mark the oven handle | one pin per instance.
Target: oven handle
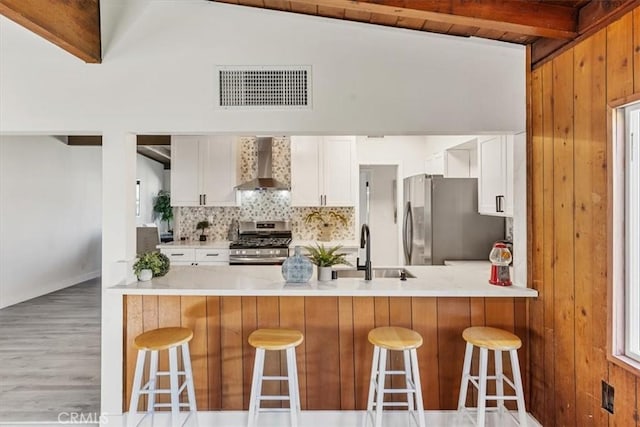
(273, 260)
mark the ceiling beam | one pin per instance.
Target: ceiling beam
(73, 25)
(534, 19)
(592, 17)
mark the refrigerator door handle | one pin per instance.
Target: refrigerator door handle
(407, 235)
(405, 244)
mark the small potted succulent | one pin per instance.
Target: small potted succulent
(203, 225)
(151, 264)
(325, 258)
(327, 221)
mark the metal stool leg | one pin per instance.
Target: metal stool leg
(256, 387)
(497, 355)
(517, 380)
(382, 374)
(291, 380)
(482, 383)
(408, 378)
(186, 362)
(153, 381)
(466, 374)
(174, 386)
(372, 384)
(418, 386)
(137, 383)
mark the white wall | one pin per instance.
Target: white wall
(50, 216)
(408, 152)
(159, 76)
(151, 176)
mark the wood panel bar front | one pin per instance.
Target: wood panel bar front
(334, 361)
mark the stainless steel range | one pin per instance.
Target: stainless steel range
(260, 243)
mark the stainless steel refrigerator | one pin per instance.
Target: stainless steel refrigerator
(441, 221)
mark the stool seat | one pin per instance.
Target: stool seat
(275, 339)
(162, 338)
(491, 338)
(395, 338)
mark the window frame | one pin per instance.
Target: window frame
(632, 229)
(618, 306)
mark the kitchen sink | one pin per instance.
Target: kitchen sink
(379, 273)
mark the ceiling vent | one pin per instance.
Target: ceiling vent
(263, 87)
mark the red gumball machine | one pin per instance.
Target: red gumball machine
(500, 258)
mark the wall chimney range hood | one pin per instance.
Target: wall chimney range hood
(265, 180)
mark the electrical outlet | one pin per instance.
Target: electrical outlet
(607, 397)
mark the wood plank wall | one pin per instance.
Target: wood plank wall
(334, 361)
(568, 217)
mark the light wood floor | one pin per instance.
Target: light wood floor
(50, 355)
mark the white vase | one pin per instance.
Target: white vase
(324, 274)
(145, 275)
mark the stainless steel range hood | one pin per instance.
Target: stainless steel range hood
(265, 180)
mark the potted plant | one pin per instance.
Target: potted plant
(325, 258)
(151, 264)
(203, 225)
(327, 220)
(162, 208)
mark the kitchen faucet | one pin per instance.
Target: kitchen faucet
(365, 240)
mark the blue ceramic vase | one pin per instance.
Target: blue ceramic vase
(297, 268)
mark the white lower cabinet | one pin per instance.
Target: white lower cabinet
(192, 256)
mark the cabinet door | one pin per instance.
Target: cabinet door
(508, 176)
(305, 171)
(185, 189)
(490, 174)
(218, 173)
(338, 168)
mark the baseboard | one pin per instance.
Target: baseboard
(30, 293)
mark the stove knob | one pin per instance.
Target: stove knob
(244, 252)
(258, 252)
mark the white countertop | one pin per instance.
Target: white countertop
(195, 244)
(467, 280)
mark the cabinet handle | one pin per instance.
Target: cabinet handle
(204, 197)
(500, 203)
(321, 200)
(177, 254)
(200, 202)
(213, 254)
(497, 204)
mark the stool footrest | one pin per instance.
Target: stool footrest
(273, 397)
(166, 373)
(275, 378)
(273, 409)
(168, 405)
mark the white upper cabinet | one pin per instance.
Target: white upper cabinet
(495, 175)
(323, 171)
(203, 171)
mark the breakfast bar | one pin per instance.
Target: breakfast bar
(224, 304)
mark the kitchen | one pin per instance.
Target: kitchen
(247, 203)
(242, 297)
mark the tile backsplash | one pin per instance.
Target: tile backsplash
(261, 205)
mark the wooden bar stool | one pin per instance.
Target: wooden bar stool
(395, 339)
(275, 339)
(154, 341)
(497, 340)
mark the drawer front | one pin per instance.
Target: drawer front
(212, 255)
(179, 255)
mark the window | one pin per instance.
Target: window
(632, 231)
